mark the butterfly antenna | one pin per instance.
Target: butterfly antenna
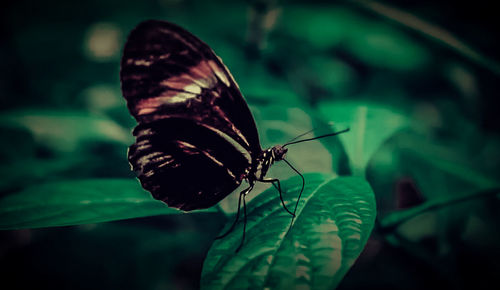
(314, 138)
(305, 133)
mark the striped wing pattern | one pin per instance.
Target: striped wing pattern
(196, 137)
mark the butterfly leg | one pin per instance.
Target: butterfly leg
(244, 221)
(303, 184)
(272, 181)
(241, 197)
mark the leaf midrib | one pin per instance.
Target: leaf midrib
(281, 242)
(297, 215)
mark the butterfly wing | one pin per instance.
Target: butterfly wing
(185, 165)
(196, 137)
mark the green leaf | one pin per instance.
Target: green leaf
(78, 202)
(334, 220)
(65, 131)
(371, 125)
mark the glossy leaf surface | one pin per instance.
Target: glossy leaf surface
(334, 219)
(78, 202)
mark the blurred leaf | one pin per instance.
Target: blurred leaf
(465, 176)
(442, 173)
(372, 42)
(99, 160)
(444, 176)
(383, 46)
(260, 86)
(79, 202)
(323, 28)
(371, 125)
(333, 74)
(399, 217)
(334, 219)
(277, 124)
(26, 172)
(440, 170)
(446, 155)
(432, 31)
(63, 131)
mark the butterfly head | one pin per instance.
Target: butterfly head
(279, 152)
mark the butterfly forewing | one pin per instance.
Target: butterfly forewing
(196, 137)
(168, 72)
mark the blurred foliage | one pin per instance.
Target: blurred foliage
(334, 219)
(416, 82)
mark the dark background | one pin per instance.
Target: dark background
(60, 62)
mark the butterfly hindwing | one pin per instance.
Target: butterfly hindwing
(185, 165)
(196, 137)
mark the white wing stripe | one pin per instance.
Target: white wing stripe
(231, 141)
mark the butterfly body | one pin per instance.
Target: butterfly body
(264, 162)
(196, 140)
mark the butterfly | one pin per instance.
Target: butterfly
(196, 139)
